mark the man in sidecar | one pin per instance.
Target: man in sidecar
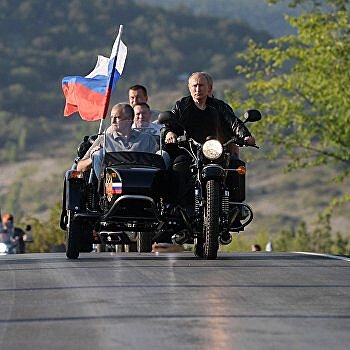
(123, 138)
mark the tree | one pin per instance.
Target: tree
(301, 83)
(46, 234)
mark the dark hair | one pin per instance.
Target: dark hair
(143, 104)
(139, 87)
(127, 109)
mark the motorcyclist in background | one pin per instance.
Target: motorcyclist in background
(16, 233)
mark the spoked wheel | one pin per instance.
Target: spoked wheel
(211, 221)
(73, 233)
(144, 242)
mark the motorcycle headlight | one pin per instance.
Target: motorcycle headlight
(212, 149)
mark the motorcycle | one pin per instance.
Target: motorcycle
(131, 201)
(11, 242)
(218, 190)
(8, 245)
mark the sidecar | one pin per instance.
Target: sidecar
(125, 205)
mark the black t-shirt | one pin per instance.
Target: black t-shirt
(201, 124)
(220, 123)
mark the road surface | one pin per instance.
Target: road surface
(173, 301)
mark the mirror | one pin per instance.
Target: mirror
(164, 117)
(252, 115)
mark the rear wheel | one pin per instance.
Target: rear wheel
(144, 242)
(211, 220)
(73, 233)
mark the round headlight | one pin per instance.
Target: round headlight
(212, 149)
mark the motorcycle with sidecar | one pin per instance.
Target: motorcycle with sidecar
(131, 200)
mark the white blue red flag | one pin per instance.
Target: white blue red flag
(89, 95)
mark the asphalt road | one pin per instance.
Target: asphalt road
(173, 301)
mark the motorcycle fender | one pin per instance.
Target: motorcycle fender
(74, 192)
(214, 172)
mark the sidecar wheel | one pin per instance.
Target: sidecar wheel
(72, 238)
(211, 222)
(144, 242)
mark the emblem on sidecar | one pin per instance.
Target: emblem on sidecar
(113, 185)
(109, 187)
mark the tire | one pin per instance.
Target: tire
(144, 242)
(211, 221)
(72, 237)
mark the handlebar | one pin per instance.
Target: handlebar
(240, 143)
(237, 141)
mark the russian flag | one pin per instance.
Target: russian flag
(89, 95)
(117, 187)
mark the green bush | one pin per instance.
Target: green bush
(46, 234)
(319, 239)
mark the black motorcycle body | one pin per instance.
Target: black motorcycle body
(132, 201)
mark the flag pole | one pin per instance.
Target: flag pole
(110, 82)
(108, 95)
(111, 78)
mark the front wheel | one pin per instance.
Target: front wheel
(211, 220)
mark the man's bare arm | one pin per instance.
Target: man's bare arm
(84, 164)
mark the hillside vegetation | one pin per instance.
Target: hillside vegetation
(43, 41)
(256, 13)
